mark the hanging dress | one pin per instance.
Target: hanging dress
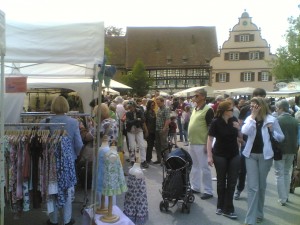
(136, 203)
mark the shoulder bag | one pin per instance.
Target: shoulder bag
(275, 146)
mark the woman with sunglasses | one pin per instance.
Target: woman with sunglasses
(258, 155)
(224, 154)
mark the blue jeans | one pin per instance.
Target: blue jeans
(242, 173)
(257, 171)
(179, 125)
(283, 176)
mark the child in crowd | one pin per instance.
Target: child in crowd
(172, 130)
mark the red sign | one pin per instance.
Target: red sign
(15, 84)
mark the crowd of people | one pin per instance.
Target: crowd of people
(227, 133)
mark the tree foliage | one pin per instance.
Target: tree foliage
(287, 65)
(138, 79)
(113, 31)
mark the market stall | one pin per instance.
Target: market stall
(29, 45)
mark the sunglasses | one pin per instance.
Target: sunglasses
(230, 110)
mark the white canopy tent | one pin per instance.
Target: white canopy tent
(54, 50)
(236, 91)
(190, 91)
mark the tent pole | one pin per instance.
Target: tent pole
(2, 158)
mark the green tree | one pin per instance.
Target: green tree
(138, 79)
(287, 64)
(113, 31)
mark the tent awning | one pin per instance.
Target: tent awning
(82, 86)
(54, 43)
(236, 91)
(286, 94)
(190, 91)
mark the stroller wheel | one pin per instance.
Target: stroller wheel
(185, 207)
(191, 198)
(164, 205)
(161, 206)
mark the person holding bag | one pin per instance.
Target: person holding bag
(289, 147)
(258, 155)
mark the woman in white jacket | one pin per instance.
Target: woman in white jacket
(259, 155)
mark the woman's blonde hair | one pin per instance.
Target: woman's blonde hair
(60, 105)
(104, 111)
(264, 107)
(222, 107)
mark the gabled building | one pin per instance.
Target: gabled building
(176, 57)
(244, 59)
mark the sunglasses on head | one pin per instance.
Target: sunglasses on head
(230, 110)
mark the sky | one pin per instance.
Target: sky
(270, 15)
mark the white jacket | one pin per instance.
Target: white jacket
(249, 129)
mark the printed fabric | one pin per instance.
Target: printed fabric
(65, 170)
(113, 177)
(136, 203)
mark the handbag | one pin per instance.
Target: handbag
(275, 146)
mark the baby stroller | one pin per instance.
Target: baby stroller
(176, 184)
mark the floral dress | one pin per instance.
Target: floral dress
(113, 176)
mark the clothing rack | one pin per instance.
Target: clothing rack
(51, 114)
(33, 124)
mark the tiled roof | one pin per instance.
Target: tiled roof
(165, 47)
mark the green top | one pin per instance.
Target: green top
(198, 129)
(289, 127)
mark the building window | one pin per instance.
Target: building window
(158, 73)
(253, 55)
(247, 76)
(178, 73)
(184, 82)
(244, 38)
(233, 56)
(222, 77)
(264, 76)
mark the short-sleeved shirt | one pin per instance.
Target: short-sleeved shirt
(226, 137)
(163, 114)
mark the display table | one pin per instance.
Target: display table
(88, 214)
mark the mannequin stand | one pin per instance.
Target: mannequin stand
(102, 210)
(109, 217)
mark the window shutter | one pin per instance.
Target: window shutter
(244, 55)
(270, 77)
(217, 77)
(251, 37)
(261, 55)
(242, 76)
(226, 56)
(227, 77)
(252, 76)
(259, 76)
(237, 38)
